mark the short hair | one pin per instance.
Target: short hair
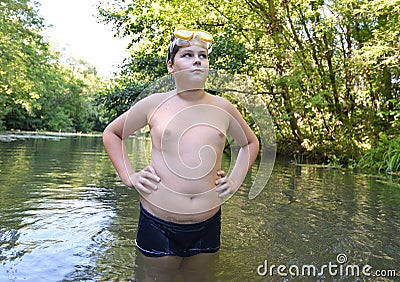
(172, 53)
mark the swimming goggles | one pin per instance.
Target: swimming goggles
(181, 37)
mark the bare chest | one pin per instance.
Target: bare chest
(189, 128)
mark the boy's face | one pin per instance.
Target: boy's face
(190, 63)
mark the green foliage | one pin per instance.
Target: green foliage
(328, 70)
(383, 156)
(150, 24)
(36, 90)
(116, 98)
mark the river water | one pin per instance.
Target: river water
(64, 216)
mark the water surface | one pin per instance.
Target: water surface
(64, 216)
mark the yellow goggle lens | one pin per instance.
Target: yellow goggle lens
(187, 34)
(184, 34)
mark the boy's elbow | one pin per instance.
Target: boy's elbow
(253, 145)
(106, 130)
(256, 146)
(107, 134)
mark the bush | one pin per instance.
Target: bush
(384, 156)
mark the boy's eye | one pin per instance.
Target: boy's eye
(189, 55)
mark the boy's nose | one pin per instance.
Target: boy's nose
(197, 60)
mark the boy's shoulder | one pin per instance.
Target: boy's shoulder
(154, 99)
(221, 102)
(158, 96)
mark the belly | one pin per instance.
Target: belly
(186, 193)
(170, 205)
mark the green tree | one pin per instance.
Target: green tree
(37, 89)
(328, 70)
(22, 54)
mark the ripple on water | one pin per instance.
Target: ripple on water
(65, 216)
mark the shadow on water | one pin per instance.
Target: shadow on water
(65, 217)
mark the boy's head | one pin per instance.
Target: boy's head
(187, 37)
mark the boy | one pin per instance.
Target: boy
(182, 189)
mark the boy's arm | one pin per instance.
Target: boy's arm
(123, 126)
(249, 147)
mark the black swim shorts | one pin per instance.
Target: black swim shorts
(156, 237)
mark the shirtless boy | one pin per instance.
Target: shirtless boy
(182, 189)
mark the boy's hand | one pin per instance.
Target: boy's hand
(224, 185)
(145, 180)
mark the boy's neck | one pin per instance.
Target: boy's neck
(191, 95)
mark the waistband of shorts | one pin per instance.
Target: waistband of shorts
(147, 214)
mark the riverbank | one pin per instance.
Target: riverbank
(10, 136)
(367, 163)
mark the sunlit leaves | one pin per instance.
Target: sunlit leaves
(328, 69)
(36, 90)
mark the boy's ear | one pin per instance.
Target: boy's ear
(170, 67)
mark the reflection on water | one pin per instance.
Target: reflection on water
(65, 217)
